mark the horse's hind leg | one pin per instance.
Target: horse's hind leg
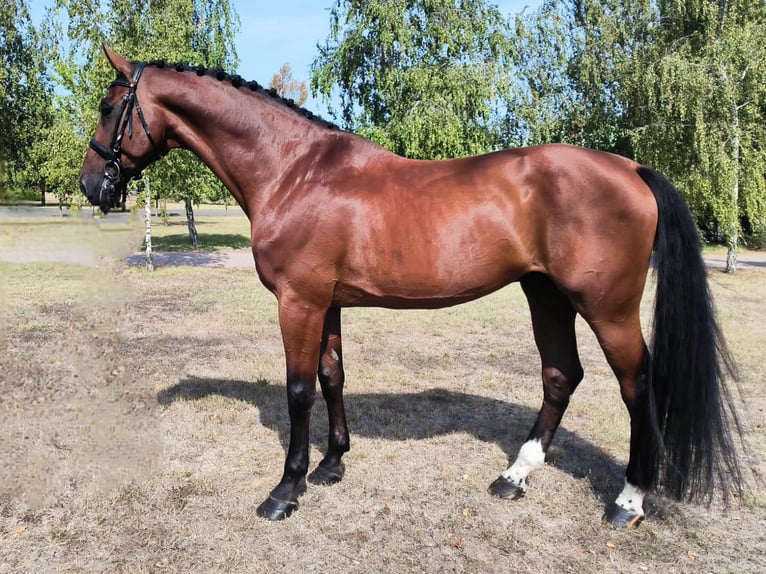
(626, 352)
(330, 470)
(553, 319)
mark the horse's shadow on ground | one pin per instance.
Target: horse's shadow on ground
(417, 416)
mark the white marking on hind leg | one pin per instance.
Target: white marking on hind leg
(631, 499)
(531, 457)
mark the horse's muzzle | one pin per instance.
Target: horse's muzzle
(101, 191)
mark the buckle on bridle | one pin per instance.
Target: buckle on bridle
(115, 166)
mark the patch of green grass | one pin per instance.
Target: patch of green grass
(216, 233)
(207, 242)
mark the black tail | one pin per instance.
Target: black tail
(690, 405)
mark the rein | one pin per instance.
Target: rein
(113, 167)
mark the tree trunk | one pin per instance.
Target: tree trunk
(165, 215)
(148, 214)
(190, 222)
(731, 251)
(732, 234)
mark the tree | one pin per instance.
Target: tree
(574, 59)
(400, 68)
(541, 46)
(58, 153)
(609, 35)
(288, 87)
(705, 108)
(25, 93)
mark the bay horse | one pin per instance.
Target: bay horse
(338, 221)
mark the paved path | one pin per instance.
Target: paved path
(748, 260)
(242, 258)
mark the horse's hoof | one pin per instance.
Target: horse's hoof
(504, 488)
(273, 509)
(325, 475)
(618, 518)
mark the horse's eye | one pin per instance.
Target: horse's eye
(106, 108)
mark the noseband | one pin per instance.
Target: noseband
(112, 154)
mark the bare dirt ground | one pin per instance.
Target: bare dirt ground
(143, 418)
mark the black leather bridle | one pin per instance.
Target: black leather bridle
(113, 154)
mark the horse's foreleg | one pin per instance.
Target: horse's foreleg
(330, 470)
(301, 326)
(553, 322)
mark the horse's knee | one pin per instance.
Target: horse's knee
(330, 375)
(300, 394)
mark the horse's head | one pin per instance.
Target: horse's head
(114, 159)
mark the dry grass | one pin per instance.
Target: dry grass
(144, 418)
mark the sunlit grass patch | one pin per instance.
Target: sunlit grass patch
(216, 233)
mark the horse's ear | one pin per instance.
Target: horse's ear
(118, 62)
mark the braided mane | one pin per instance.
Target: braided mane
(238, 82)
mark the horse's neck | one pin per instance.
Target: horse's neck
(247, 139)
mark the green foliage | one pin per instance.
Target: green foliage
(25, 93)
(181, 175)
(58, 153)
(608, 37)
(704, 105)
(400, 68)
(3, 178)
(574, 59)
(540, 48)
